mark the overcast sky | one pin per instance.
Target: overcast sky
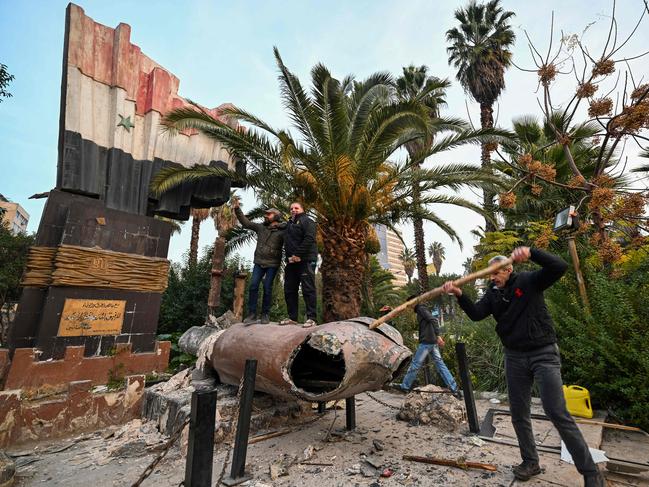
(222, 52)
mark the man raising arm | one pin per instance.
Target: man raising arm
(526, 330)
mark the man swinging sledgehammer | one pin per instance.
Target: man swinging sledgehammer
(531, 354)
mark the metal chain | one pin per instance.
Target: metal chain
(172, 439)
(383, 403)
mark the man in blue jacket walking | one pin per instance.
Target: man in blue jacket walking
(526, 330)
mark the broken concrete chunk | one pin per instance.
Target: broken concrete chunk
(280, 467)
(354, 469)
(308, 453)
(378, 445)
(432, 407)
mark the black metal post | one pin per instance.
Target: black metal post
(322, 407)
(200, 450)
(467, 388)
(237, 472)
(350, 413)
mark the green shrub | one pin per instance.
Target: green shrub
(607, 351)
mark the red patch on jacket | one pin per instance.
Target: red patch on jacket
(518, 292)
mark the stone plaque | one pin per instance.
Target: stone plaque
(86, 317)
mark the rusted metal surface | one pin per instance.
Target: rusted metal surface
(328, 362)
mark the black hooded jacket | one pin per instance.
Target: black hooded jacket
(523, 321)
(428, 325)
(299, 239)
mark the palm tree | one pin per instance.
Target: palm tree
(198, 216)
(407, 258)
(467, 265)
(415, 84)
(338, 167)
(480, 51)
(224, 221)
(437, 253)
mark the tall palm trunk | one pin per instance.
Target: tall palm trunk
(343, 268)
(487, 121)
(418, 225)
(420, 249)
(193, 242)
(216, 275)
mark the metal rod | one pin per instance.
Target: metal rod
(350, 413)
(322, 407)
(237, 472)
(200, 450)
(572, 248)
(467, 388)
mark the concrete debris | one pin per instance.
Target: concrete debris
(442, 410)
(182, 380)
(354, 469)
(135, 439)
(474, 440)
(378, 445)
(281, 466)
(7, 469)
(308, 453)
(369, 471)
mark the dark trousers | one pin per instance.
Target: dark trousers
(295, 274)
(543, 366)
(268, 276)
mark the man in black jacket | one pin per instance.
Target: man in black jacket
(531, 354)
(268, 257)
(301, 257)
(429, 342)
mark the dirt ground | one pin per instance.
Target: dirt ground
(118, 457)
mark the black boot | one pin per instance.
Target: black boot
(526, 470)
(250, 319)
(594, 480)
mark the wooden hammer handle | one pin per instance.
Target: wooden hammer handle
(438, 290)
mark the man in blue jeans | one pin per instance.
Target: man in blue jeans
(429, 343)
(268, 257)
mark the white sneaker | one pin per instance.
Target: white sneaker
(309, 323)
(288, 321)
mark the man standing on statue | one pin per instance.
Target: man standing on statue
(531, 354)
(268, 257)
(301, 257)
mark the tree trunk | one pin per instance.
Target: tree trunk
(418, 225)
(343, 268)
(487, 121)
(216, 277)
(438, 265)
(239, 294)
(193, 242)
(420, 253)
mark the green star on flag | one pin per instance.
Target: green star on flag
(125, 122)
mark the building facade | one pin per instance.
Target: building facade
(389, 256)
(14, 216)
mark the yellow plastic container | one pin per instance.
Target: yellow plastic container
(578, 401)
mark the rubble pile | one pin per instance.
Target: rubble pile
(429, 405)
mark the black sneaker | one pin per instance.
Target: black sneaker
(458, 394)
(526, 471)
(265, 319)
(250, 319)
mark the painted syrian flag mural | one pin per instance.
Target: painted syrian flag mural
(110, 144)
